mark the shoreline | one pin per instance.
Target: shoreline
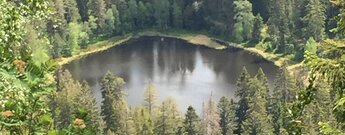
(193, 38)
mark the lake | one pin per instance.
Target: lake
(188, 73)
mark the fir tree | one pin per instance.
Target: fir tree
(283, 94)
(242, 93)
(257, 120)
(114, 109)
(169, 119)
(226, 109)
(191, 122)
(314, 20)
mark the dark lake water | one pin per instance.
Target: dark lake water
(188, 73)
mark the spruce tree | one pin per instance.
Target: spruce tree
(191, 122)
(314, 20)
(242, 93)
(264, 83)
(257, 119)
(87, 102)
(114, 108)
(226, 108)
(283, 94)
(169, 119)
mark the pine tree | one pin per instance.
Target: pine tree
(114, 109)
(169, 119)
(281, 23)
(191, 122)
(314, 20)
(283, 94)
(150, 99)
(257, 119)
(210, 120)
(242, 93)
(86, 101)
(264, 83)
(226, 108)
(68, 89)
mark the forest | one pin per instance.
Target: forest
(38, 97)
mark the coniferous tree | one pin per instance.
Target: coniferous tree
(71, 11)
(96, 8)
(264, 83)
(85, 100)
(114, 109)
(242, 93)
(161, 13)
(143, 122)
(257, 120)
(283, 94)
(177, 15)
(150, 98)
(210, 118)
(191, 122)
(314, 20)
(169, 119)
(226, 109)
(257, 27)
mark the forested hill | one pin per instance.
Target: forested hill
(280, 26)
(35, 32)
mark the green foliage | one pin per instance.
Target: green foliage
(244, 20)
(333, 72)
(191, 124)
(226, 109)
(114, 108)
(242, 92)
(311, 46)
(257, 29)
(109, 22)
(168, 119)
(161, 13)
(150, 98)
(314, 20)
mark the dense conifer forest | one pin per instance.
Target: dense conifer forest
(37, 97)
